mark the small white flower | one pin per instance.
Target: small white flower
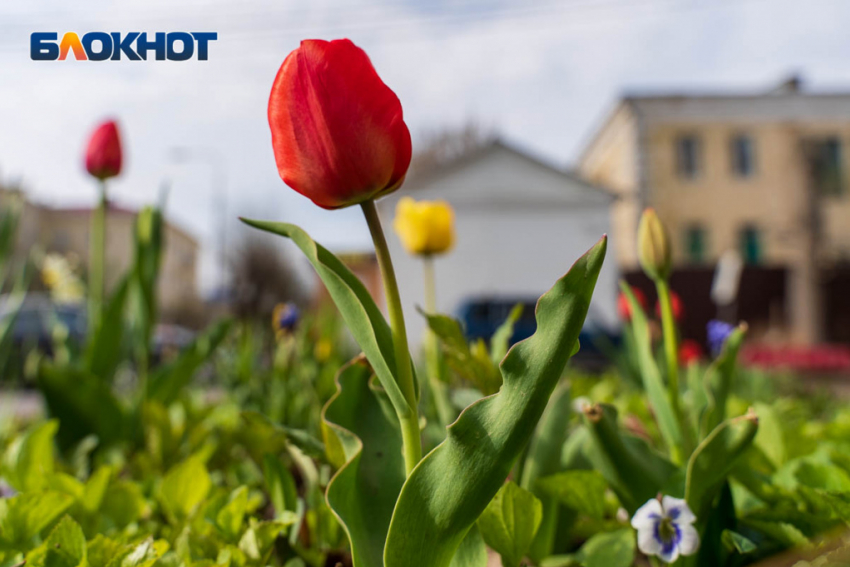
(580, 403)
(665, 528)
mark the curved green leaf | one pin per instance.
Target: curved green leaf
(544, 459)
(452, 485)
(357, 307)
(66, 545)
(714, 459)
(651, 376)
(364, 490)
(632, 469)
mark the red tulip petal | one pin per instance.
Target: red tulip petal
(103, 153)
(337, 130)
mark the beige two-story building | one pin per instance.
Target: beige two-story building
(760, 173)
(66, 231)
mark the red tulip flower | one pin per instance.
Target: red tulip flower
(676, 306)
(689, 352)
(623, 307)
(338, 131)
(103, 153)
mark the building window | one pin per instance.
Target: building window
(827, 167)
(688, 156)
(743, 156)
(751, 245)
(695, 244)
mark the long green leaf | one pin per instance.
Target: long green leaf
(12, 305)
(452, 485)
(10, 217)
(150, 242)
(280, 485)
(357, 307)
(103, 353)
(84, 405)
(715, 458)
(500, 341)
(631, 468)
(364, 490)
(544, 459)
(718, 381)
(651, 375)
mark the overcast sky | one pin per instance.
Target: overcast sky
(542, 73)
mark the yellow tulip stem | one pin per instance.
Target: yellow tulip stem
(436, 383)
(409, 420)
(430, 283)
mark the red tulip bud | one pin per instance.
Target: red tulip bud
(103, 154)
(338, 132)
(676, 306)
(623, 307)
(689, 352)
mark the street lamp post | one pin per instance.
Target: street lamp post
(215, 160)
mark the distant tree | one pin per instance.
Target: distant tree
(437, 148)
(262, 277)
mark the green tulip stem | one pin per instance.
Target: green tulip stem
(409, 419)
(671, 351)
(436, 383)
(97, 258)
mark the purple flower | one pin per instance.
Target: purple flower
(285, 317)
(665, 528)
(718, 332)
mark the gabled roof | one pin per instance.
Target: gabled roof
(440, 174)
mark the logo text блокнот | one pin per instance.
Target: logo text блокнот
(115, 46)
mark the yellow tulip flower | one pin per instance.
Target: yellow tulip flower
(424, 227)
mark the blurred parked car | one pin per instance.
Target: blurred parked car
(38, 318)
(481, 317)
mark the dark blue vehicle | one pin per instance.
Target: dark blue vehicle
(482, 316)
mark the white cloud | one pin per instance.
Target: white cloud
(543, 72)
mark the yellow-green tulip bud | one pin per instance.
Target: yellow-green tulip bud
(654, 246)
(424, 227)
